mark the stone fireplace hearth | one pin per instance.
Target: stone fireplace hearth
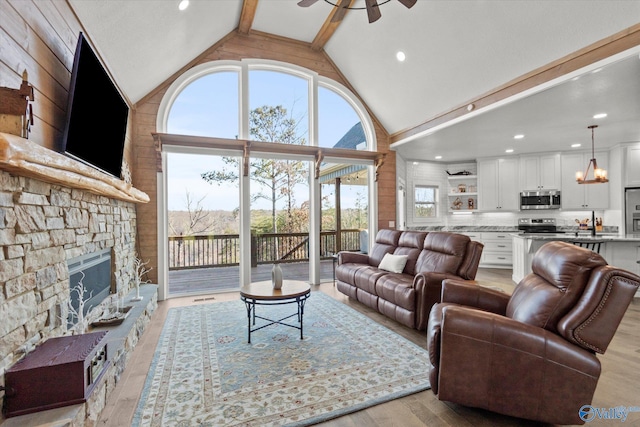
(53, 210)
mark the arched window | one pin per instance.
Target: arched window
(217, 98)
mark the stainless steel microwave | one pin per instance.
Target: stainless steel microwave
(543, 199)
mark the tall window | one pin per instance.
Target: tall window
(425, 201)
(270, 101)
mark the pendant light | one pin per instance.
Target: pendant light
(599, 175)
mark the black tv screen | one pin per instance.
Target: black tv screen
(97, 114)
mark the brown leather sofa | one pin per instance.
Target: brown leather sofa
(532, 354)
(407, 296)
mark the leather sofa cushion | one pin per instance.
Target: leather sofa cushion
(412, 255)
(412, 239)
(397, 289)
(443, 252)
(410, 244)
(386, 242)
(365, 278)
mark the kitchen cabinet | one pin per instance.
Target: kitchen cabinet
(497, 250)
(540, 172)
(583, 196)
(498, 185)
(463, 193)
(624, 255)
(632, 171)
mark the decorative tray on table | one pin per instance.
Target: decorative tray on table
(112, 319)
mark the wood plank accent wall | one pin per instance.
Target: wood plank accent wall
(236, 46)
(40, 37)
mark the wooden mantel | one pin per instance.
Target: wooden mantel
(22, 157)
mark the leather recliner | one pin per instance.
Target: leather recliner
(530, 355)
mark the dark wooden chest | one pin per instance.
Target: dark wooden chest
(59, 372)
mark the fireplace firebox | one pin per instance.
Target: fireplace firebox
(97, 271)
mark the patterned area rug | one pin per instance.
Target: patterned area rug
(204, 373)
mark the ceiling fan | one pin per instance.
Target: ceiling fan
(372, 6)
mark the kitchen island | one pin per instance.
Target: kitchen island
(622, 251)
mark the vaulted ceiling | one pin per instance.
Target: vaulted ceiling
(457, 53)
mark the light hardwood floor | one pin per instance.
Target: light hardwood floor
(619, 384)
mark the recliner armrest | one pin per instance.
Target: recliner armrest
(472, 295)
(352, 257)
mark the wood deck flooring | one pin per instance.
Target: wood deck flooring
(227, 279)
(619, 384)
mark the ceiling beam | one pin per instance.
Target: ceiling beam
(246, 16)
(327, 29)
(586, 56)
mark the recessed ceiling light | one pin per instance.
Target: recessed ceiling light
(600, 116)
(400, 56)
(183, 4)
(576, 145)
(470, 107)
(519, 136)
(509, 150)
(438, 157)
(415, 163)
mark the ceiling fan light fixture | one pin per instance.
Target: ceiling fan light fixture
(371, 6)
(599, 174)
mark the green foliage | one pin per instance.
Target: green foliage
(277, 178)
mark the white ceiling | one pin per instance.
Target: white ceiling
(456, 51)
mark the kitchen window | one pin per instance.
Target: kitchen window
(425, 201)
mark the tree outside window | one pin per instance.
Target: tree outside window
(425, 201)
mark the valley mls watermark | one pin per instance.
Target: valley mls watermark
(589, 413)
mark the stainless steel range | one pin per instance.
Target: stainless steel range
(538, 225)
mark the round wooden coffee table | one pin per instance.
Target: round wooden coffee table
(262, 293)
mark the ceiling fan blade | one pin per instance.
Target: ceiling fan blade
(306, 3)
(373, 11)
(408, 3)
(341, 10)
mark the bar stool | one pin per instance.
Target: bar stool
(593, 245)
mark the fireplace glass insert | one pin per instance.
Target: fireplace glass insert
(96, 267)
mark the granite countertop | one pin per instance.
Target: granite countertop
(571, 237)
(468, 228)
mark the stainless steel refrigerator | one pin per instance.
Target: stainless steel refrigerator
(632, 206)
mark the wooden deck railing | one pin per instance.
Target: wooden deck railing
(224, 250)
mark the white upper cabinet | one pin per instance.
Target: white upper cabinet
(540, 172)
(498, 185)
(583, 196)
(632, 167)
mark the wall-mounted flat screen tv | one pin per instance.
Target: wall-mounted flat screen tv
(97, 114)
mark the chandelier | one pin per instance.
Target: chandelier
(372, 7)
(599, 175)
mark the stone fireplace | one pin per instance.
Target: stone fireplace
(55, 214)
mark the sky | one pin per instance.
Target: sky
(209, 107)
